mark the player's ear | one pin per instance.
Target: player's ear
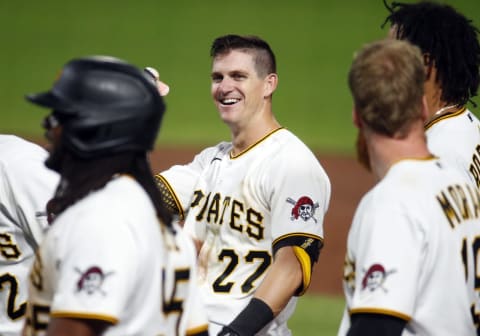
(425, 112)
(429, 67)
(270, 84)
(356, 118)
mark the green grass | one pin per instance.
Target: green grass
(314, 41)
(317, 316)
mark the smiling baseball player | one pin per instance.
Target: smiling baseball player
(256, 205)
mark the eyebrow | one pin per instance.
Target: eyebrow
(230, 73)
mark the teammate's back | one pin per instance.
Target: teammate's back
(428, 231)
(121, 208)
(455, 137)
(26, 186)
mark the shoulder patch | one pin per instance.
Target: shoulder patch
(91, 280)
(303, 208)
(375, 278)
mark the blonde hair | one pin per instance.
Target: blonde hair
(386, 81)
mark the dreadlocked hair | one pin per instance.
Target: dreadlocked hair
(449, 42)
(82, 176)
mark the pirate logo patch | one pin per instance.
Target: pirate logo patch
(303, 208)
(375, 278)
(91, 280)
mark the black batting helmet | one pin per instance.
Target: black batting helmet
(105, 106)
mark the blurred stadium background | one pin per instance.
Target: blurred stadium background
(314, 41)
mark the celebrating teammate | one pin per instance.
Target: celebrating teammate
(26, 187)
(256, 204)
(451, 54)
(410, 265)
(112, 262)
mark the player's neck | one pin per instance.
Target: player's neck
(248, 135)
(385, 151)
(436, 106)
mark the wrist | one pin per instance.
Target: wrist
(252, 318)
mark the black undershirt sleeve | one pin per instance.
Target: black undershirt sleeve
(375, 324)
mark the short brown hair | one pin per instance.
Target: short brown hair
(263, 55)
(386, 81)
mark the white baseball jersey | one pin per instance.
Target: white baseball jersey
(455, 137)
(26, 185)
(108, 257)
(243, 209)
(412, 250)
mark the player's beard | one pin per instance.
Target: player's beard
(56, 158)
(362, 151)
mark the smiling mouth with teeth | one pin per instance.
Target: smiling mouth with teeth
(229, 101)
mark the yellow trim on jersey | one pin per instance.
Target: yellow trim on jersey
(256, 143)
(174, 195)
(302, 234)
(393, 313)
(197, 330)
(67, 314)
(304, 260)
(443, 117)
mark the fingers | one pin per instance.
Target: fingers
(163, 88)
(152, 72)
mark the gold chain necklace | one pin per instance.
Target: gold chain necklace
(443, 109)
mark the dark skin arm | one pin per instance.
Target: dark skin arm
(76, 327)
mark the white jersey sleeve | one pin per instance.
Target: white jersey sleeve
(195, 320)
(98, 261)
(298, 195)
(26, 186)
(181, 179)
(389, 236)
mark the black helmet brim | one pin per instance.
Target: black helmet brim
(48, 100)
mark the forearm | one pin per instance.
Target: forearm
(281, 282)
(283, 279)
(76, 327)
